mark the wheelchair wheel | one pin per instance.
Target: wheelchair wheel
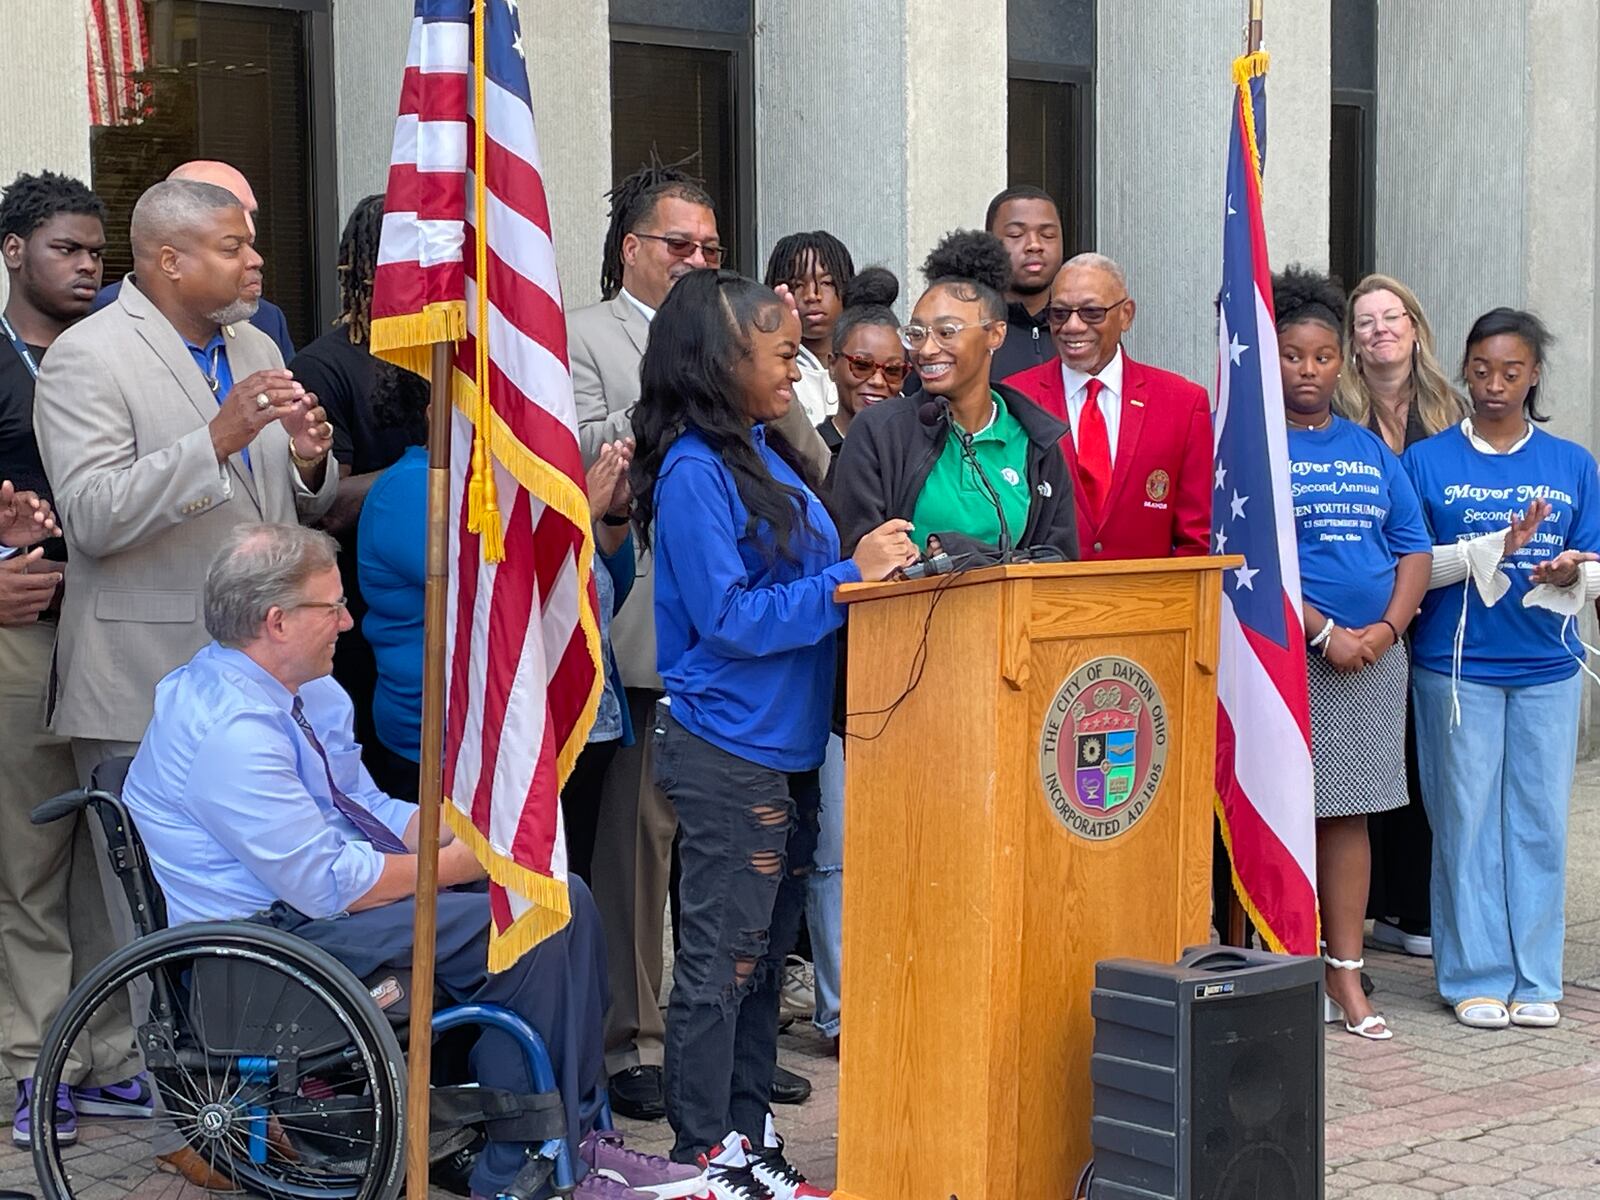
(267, 1059)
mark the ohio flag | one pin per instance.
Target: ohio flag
(1264, 788)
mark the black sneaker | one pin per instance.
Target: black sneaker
(636, 1093)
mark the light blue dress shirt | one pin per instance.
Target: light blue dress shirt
(233, 802)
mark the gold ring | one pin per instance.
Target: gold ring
(328, 429)
(261, 403)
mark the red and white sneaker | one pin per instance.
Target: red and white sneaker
(729, 1172)
(776, 1173)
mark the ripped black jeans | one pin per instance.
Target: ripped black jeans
(748, 836)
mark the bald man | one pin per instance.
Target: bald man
(165, 420)
(268, 317)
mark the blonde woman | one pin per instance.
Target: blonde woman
(1392, 384)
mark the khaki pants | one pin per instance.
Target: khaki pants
(55, 923)
(632, 871)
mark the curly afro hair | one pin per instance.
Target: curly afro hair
(1300, 294)
(31, 200)
(975, 266)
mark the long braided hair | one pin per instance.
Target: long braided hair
(633, 202)
(358, 263)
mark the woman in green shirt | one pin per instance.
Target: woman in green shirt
(957, 455)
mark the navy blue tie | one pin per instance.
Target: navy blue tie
(375, 830)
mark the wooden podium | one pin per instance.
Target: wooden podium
(1041, 799)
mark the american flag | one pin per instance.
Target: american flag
(119, 48)
(466, 255)
(1263, 729)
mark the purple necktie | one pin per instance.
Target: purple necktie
(375, 830)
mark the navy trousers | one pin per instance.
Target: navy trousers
(559, 988)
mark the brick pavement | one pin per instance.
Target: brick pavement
(1441, 1110)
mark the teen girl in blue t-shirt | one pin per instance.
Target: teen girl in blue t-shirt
(1363, 566)
(1514, 513)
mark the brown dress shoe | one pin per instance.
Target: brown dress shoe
(196, 1170)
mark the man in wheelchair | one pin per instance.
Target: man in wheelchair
(250, 795)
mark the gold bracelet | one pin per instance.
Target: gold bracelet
(304, 463)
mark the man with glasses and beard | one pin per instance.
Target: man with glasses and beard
(164, 421)
(1140, 445)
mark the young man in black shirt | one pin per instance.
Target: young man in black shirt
(1028, 222)
(54, 926)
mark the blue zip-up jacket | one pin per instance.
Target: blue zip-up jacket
(745, 638)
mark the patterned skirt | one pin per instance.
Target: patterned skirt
(1358, 734)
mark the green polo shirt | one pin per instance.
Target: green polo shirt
(954, 501)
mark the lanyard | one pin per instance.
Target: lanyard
(20, 347)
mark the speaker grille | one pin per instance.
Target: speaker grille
(1254, 1071)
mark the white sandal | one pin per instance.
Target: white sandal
(1483, 1012)
(1373, 1027)
(1536, 1014)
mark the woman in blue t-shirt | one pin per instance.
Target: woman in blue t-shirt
(1363, 567)
(747, 560)
(1494, 659)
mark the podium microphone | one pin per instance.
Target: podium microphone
(937, 412)
(939, 564)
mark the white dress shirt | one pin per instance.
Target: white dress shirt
(1076, 384)
(645, 311)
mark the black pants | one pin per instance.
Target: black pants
(559, 987)
(1402, 853)
(748, 837)
(580, 805)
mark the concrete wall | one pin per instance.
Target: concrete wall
(569, 70)
(1163, 87)
(885, 124)
(1451, 211)
(42, 54)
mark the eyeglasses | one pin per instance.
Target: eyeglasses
(1092, 314)
(342, 604)
(863, 367)
(682, 247)
(944, 332)
(1389, 320)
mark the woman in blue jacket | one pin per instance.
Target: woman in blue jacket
(747, 560)
(1493, 658)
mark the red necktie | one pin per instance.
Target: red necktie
(1094, 450)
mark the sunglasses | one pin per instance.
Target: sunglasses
(863, 367)
(682, 247)
(1092, 314)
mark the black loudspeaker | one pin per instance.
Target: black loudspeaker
(1208, 1078)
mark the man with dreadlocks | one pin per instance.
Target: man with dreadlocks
(54, 926)
(376, 410)
(663, 225)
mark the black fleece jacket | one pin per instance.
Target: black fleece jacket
(889, 454)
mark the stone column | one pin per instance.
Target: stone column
(569, 71)
(46, 57)
(1163, 87)
(885, 126)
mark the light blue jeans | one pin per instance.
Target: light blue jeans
(1497, 789)
(825, 892)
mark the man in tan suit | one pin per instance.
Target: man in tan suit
(164, 420)
(663, 226)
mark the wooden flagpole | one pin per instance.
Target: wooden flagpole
(1237, 932)
(420, 1051)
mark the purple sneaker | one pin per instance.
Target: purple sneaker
(66, 1116)
(644, 1173)
(130, 1098)
(597, 1187)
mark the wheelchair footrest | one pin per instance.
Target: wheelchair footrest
(505, 1116)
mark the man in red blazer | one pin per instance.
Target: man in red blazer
(1140, 446)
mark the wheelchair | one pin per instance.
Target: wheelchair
(269, 1060)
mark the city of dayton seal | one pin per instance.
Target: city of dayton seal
(1103, 750)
